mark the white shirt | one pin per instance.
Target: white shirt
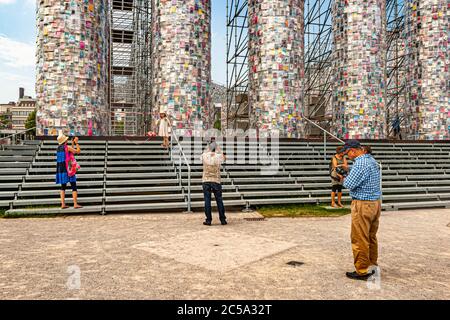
(211, 166)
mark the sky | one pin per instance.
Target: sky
(18, 41)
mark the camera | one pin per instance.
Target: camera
(341, 171)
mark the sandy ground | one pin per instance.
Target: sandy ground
(173, 256)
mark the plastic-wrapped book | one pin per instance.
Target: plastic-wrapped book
(276, 65)
(182, 63)
(71, 67)
(359, 60)
(427, 60)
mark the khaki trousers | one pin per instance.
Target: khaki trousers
(365, 221)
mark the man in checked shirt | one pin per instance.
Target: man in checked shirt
(363, 181)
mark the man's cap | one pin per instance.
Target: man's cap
(350, 144)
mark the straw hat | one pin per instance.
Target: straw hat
(62, 138)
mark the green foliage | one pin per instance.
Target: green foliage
(120, 127)
(5, 121)
(31, 123)
(218, 125)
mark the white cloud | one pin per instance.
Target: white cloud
(7, 1)
(17, 68)
(16, 54)
(10, 83)
(30, 3)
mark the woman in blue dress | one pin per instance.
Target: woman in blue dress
(62, 176)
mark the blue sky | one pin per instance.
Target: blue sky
(18, 37)
(17, 43)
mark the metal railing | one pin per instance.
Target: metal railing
(15, 135)
(325, 132)
(180, 156)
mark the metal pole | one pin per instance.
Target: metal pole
(179, 165)
(171, 145)
(319, 127)
(381, 183)
(325, 146)
(189, 188)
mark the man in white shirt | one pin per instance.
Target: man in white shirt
(212, 160)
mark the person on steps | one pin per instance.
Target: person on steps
(62, 170)
(165, 127)
(338, 161)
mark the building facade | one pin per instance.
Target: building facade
(20, 112)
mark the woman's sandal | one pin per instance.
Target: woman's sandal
(64, 207)
(78, 207)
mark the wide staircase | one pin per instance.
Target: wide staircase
(140, 176)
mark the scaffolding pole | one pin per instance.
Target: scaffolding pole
(130, 56)
(318, 63)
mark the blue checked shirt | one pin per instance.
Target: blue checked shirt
(363, 181)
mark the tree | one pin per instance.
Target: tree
(218, 125)
(5, 122)
(31, 123)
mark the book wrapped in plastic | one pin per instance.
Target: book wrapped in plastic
(427, 61)
(71, 67)
(359, 60)
(276, 65)
(182, 63)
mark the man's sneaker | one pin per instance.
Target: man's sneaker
(224, 222)
(207, 223)
(355, 276)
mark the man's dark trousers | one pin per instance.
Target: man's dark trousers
(216, 188)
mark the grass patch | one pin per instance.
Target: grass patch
(16, 215)
(299, 210)
(20, 215)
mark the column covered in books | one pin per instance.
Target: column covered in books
(71, 67)
(359, 61)
(182, 63)
(427, 62)
(276, 65)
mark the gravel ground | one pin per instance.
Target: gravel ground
(173, 256)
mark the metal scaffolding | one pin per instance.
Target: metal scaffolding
(236, 111)
(318, 63)
(130, 71)
(395, 63)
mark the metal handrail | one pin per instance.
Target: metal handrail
(324, 131)
(17, 133)
(181, 155)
